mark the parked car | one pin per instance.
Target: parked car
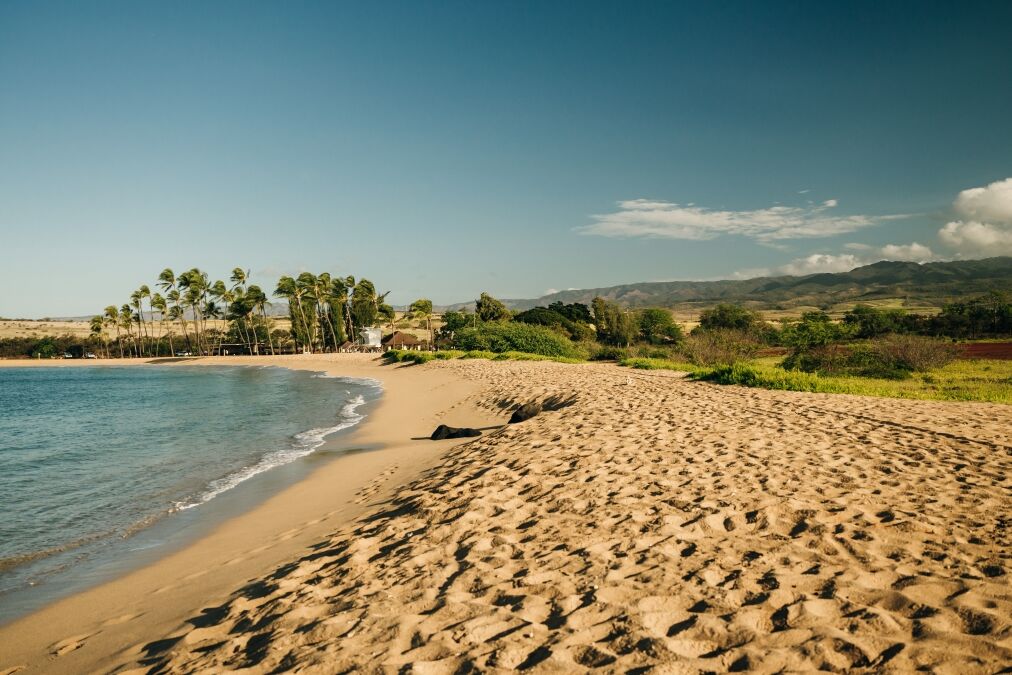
(89, 355)
(68, 355)
(184, 354)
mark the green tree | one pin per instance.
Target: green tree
(421, 309)
(364, 304)
(488, 308)
(614, 326)
(112, 319)
(657, 326)
(730, 316)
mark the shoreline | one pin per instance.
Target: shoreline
(90, 629)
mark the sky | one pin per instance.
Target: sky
(445, 149)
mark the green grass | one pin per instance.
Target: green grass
(657, 364)
(404, 356)
(964, 380)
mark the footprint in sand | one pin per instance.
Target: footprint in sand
(70, 644)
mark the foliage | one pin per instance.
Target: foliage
(614, 325)
(520, 337)
(576, 311)
(608, 353)
(657, 326)
(989, 314)
(720, 347)
(766, 378)
(540, 316)
(403, 356)
(814, 329)
(454, 321)
(489, 309)
(868, 322)
(729, 317)
(965, 380)
(657, 364)
(916, 353)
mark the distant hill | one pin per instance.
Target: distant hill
(927, 284)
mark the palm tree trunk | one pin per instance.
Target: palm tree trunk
(267, 327)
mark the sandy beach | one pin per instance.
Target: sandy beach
(651, 522)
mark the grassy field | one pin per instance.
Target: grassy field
(963, 380)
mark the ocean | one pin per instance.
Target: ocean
(102, 468)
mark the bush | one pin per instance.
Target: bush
(657, 364)
(658, 327)
(516, 337)
(720, 347)
(405, 356)
(915, 353)
(539, 316)
(606, 353)
(750, 376)
(829, 359)
(729, 317)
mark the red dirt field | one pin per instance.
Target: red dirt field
(987, 350)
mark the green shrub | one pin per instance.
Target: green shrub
(915, 353)
(657, 364)
(478, 354)
(720, 347)
(516, 337)
(608, 353)
(767, 378)
(405, 356)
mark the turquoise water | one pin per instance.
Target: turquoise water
(100, 463)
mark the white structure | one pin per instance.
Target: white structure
(371, 337)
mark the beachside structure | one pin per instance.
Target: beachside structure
(371, 338)
(401, 340)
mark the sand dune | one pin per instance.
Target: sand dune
(653, 522)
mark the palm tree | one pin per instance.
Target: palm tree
(341, 292)
(258, 300)
(422, 309)
(238, 307)
(112, 319)
(196, 286)
(167, 282)
(321, 291)
(136, 300)
(126, 321)
(287, 288)
(158, 302)
(98, 331)
(306, 283)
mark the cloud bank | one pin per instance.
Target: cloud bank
(985, 224)
(668, 220)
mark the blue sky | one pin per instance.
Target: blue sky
(443, 149)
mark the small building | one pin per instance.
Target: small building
(371, 339)
(401, 340)
(347, 346)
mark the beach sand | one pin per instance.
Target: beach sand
(653, 521)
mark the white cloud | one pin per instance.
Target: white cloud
(971, 238)
(821, 262)
(989, 204)
(985, 228)
(844, 262)
(660, 219)
(913, 252)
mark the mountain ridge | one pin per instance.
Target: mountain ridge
(930, 283)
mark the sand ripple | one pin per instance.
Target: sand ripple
(656, 524)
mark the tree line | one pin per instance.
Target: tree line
(183, 316)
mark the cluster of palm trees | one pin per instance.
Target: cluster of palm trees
(324, 311)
